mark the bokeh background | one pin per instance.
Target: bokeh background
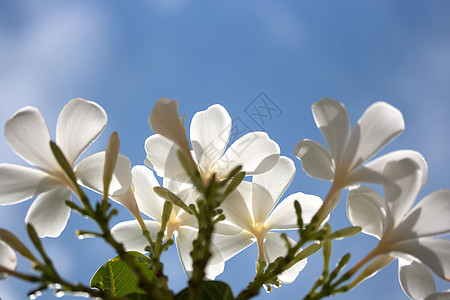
(125, 55)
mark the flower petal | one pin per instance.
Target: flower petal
(332, 119)
(277, 179)
(316, 160)
(402, 180)
(27, 134)
(415, 279)
(284, 215)
(428, 218)
(129, 202)
(79, 124)
(163, 158)
(210, 133)
(445, 295)
(143, 182)
(367, 209)
(18, 183)
(129, 233)
(49, 213)
(372, 172)
(90, 173)
(275, 246)
(184, 241)
(262, 203)
(8, 259)
(230, 245)
(255, 152)
(236, 210)
(378, 126)
(165, 120)
(435, 253)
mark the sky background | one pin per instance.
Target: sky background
(125, 55)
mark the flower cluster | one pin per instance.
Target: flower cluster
(216, 199)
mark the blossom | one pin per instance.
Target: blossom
(8, 259)
(79, 124)
(348, 150)
(210, 133)
(253, 207)
(180, 224)
(404, 233)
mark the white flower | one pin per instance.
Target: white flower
(348, 150)
(253, 207)
(405, 233)
(210, 132)
(8, 259)
(181, 224)
(79, 124)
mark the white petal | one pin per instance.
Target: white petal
(129, 202)
(255, 152)
(163, 158)
(236, 210)
(49, 213)
(275, 246)
(79, 124)
(210, 132)
(184, 240)
(18, 183)
(428, 218)
(401, 185)
(380, 262)
(27, 134)
(262, 203)
(332, 119)
(149, 203)
(372, 172)
(277, 179)
(415, 279)
(129, 233)
(284, 216)
(316, 160)
(439, 296)
(434, 253)
(230, 245)
(378, 126)
(8, 259)
(165, 120)
(176, 186)
(367, 209)
(90, 172)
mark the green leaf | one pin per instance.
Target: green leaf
(210, 290)
(343, 233)
(118, 279)
(171, 197)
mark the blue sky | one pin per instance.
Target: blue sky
(127, 55)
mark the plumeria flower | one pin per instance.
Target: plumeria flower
(8, 259)
(417, 282)
(209, 132)
(79, 124)
(405, 233)
(348, 150)
(253, 207)
(181, 224)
